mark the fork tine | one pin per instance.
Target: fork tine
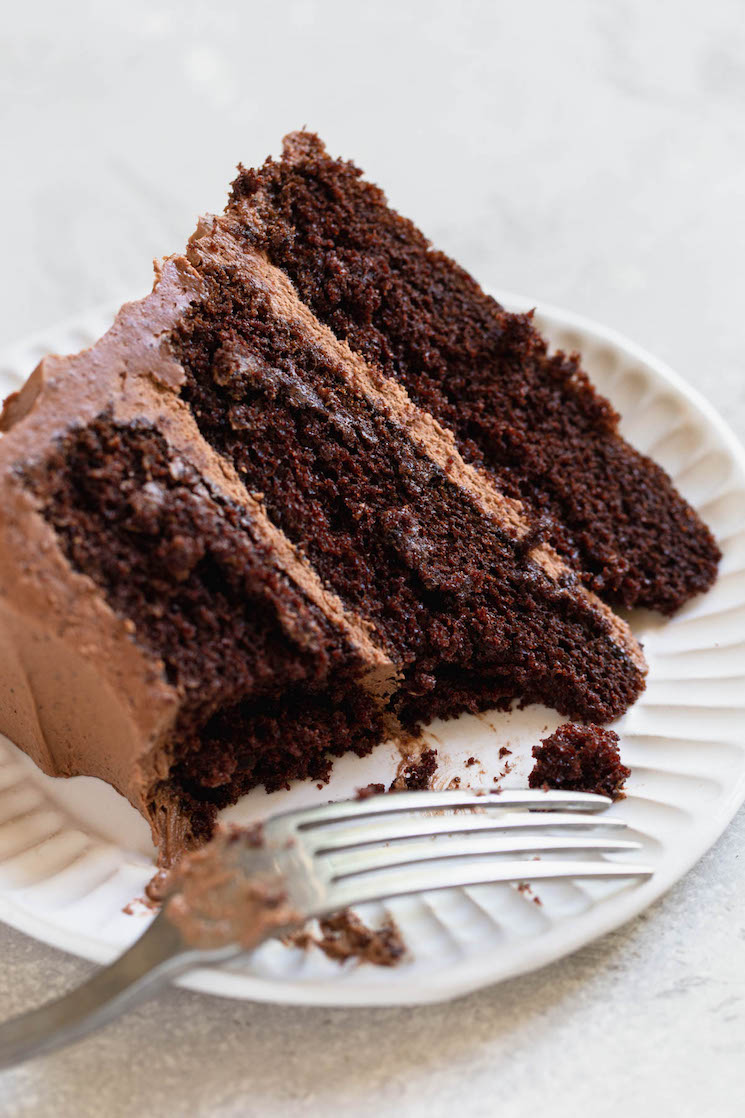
(400, 881)
(387, 803)
(417, 825)
(350, 862)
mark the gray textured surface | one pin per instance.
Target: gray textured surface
(589, 154)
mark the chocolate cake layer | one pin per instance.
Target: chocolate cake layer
(532, 418)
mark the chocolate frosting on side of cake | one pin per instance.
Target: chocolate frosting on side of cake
(79, 694)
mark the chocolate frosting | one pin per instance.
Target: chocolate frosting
(227, 893)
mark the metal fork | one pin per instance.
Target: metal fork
(344, 854)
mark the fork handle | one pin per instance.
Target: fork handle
(151, 962)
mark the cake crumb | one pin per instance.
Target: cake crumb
(472, 761)
(344, 936)
(525, 888)
(368, 791)
(580, 759)
(138, 906)
(504, 752)
(416, 776)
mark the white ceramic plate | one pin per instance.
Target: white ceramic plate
(73, 853)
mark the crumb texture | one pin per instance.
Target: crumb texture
(416, 775)
(345, 936)
(580, 759)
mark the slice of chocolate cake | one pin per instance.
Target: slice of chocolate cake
(531, 417)
(231, 548)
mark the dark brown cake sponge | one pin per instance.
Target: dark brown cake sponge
(580, 759)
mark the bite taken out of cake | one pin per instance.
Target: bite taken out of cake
(232, 548)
